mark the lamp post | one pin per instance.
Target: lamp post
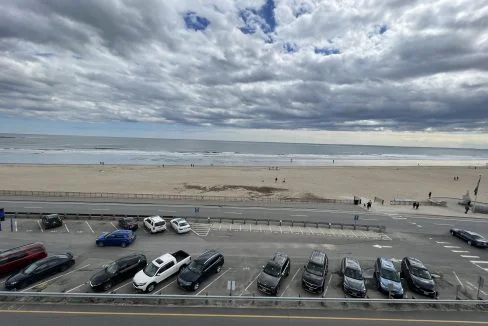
(476, 193)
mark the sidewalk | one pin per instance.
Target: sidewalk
(452, 210)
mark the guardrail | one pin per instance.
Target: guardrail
(232, 220)
(422, 203)
(70, 194)
(212, 299)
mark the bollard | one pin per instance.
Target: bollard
(342, 226)
(280, 222)
(317, 225)
(232, 221)
(208, 220)
(11, 225)
(268, 222)
(256, 221)
(330, 225)
(291, 222)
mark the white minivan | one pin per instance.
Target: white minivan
(155, 224)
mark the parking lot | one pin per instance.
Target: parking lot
(246, 249)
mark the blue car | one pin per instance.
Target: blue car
(121, 238)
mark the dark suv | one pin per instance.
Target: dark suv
(208, 263)
(128, 223)
(273, 273)
(15, 259)
(314, 273)
(51, 221)
(352, 278)
(418, 277)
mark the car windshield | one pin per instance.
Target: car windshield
(183, 224)
(421, 272)
(390, 275)
(353, 273)
(315, 269)
(272, 269)
(111, 268)
(476, 236)
(195, 266)
(29, 269)
(151, 270)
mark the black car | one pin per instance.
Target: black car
(352, 278)
(128, 223)
(418, 277)
(51, 221)
(208, 263)
(39, 270)
(117, 271)
(273, 273)
(314, 273)
(472, 238)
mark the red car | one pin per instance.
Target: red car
(17, 258)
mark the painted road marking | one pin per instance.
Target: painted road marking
(459, 281)
(66, 226)
(15, 223)
(54, 278)
(252, 282)
(164, 287)
(444, 224)
(478, 262)
(113, 226)
(115, 290)
(467, 256)
(460, 251)
(475, 287)
(235, 213)
(40, 226)
(89, 226)
(452, 247)
(299, 215)
(442, 242)
(33, 207)
(99, 209)
(294, 275)
(79, 286)
(327, 287)
(213, 281)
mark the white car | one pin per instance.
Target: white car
(155, 224)
(180, 225)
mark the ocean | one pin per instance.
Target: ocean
(50, 149)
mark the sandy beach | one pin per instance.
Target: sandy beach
(297, 182)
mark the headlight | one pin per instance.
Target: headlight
(12, 282)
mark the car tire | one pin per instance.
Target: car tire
(150, 287)
(470, 243)
(107, 286)
(218, 269)
(196, 286)
(124, 244)
(100, 244)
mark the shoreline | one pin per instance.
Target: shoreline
(332, 182)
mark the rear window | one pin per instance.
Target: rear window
(160, 223)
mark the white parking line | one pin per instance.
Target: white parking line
(114, 290)
(289, 227)
(444, 224)
(164, 287)
(299, 215)
(294, 275)
(213, 281)
(459, 281)
(467, 256)
(89, 226)
(32, 207)
(301, 231)
(66, 226)
(452, 247)
(460, 251)
(327, 287)
(79, 286)
(235, 213)
(247, 287)
(113, 225)
(475, 287)
(99, 209)
(54, 278)
(40, 226)
(442, 242)
(15, 223)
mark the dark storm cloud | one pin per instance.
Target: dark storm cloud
(399, 65)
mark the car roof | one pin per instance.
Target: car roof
(318, 257)
(51, 216)
(474, 234)
(279, 258)
(21, 248)
(387, 263)
(352, 262)
(179, 219)
(207, 255)
(416, 262)
(161, 260)
(156, 218)
(121, 232)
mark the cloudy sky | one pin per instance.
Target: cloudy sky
(377, 72)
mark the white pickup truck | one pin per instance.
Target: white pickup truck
(160, 269)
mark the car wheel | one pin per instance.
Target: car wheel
(469, 243)
(107, 286)
(123, 245)
(219, 268)
(150, 287)
(196, 286)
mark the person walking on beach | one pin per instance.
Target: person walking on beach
(276, 179)
(369, 205)
(430, 194)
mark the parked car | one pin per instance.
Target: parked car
(352, 278)
(160, 269)
(51, 221)
(315, 272)
(128, 223)
(208, 263)
(155, 224)
(121, 238)
(117, 271)
(180, 225)
(387, 278)
(472, 238)
(15, 259)
(418, 277)
(39, 270)
(273, 274)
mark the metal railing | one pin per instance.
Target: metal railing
(70, 194)
(422, 203)
(209, 299)
(208, 220)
